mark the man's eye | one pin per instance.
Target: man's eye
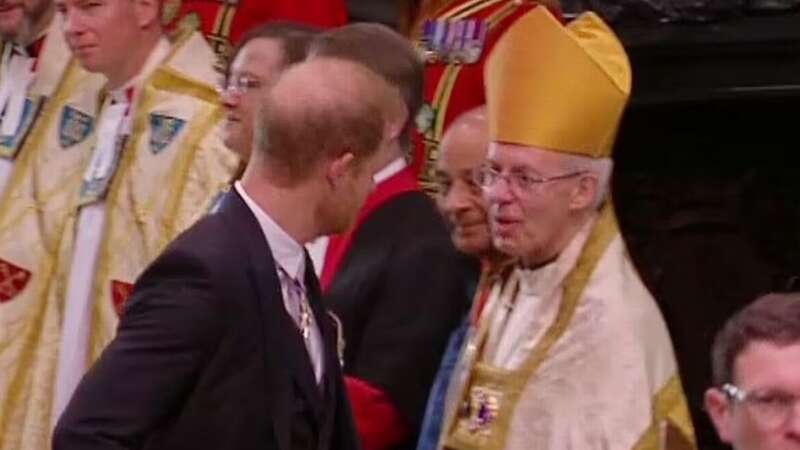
(525, 179)
(775, 399)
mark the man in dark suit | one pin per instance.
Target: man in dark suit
(224, 343)
(394, 278)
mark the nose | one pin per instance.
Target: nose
(72, 24)
(457, 198)
(498, 192)
(230, 98)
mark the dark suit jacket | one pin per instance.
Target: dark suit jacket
(206, 356)
(400, 292)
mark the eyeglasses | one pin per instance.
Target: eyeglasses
(239, 84)
(771, 408)
(519, 181)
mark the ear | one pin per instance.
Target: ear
(719, 410)
(338, 167)
(148, 13)
(584, 192)
(396, 115)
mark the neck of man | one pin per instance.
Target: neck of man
(493, 260)
(135, 60)
(552, 249)
(391, 151)
(280, 201)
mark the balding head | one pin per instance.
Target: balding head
(461, 154)
(315, 146)
(319, 110)
(465, 142)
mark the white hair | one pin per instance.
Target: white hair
(601, 168)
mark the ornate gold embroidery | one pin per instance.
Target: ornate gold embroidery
(671, 428)
(511, 382)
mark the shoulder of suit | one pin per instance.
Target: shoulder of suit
(412, 215)
(189, 69)
(208, 240)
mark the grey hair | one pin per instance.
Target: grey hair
(601, 168)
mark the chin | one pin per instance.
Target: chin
(90, 65)
(508, 246)
(470, 245)
(234, 146)
(11, 24)
(339, 225)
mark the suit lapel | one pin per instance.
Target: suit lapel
(262, 275)
(329, 337)
(284, 349)
(284, 354)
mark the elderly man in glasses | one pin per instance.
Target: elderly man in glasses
(571, 351)
(756, 369)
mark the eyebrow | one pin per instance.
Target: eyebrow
(517, 169)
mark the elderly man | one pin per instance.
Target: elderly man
(459, 199)
(48, 108)
(225, 343)
(157, 164)
(391, 279)
(571, 350)
(756, 368)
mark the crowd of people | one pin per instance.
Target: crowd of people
(306, 234)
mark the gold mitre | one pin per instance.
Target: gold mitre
(556, 87)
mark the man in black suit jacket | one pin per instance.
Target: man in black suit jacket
(394, 279)
(224, 343)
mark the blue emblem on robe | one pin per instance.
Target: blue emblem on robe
(10, 145)
(75, 127)
(163, 130)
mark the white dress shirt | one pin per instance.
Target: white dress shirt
(289, 256)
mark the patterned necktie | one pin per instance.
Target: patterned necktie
(300, 310)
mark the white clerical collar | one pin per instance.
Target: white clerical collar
(542, 280)
(287, 252)
(390, 170)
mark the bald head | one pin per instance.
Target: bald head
(461, 153)
(465, 142)
(320, 110)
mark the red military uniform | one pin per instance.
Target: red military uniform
(224, 21)
(452, 88)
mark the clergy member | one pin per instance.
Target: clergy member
(49, 107)
(158, 162)
(571, 350)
